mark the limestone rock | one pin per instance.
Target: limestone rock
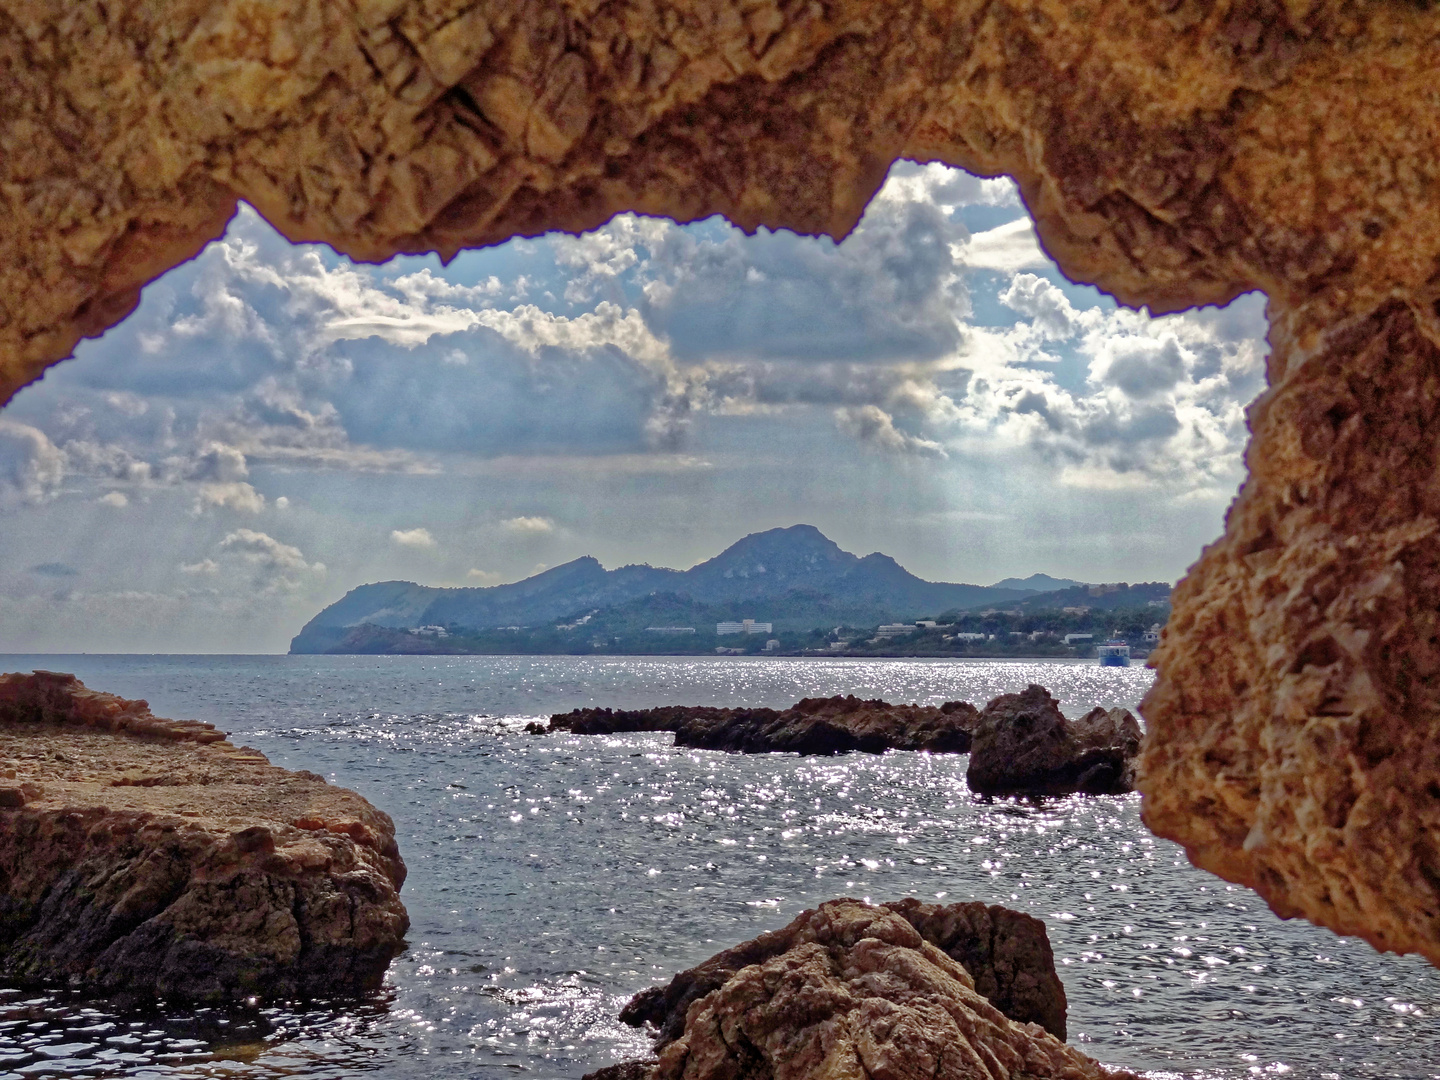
(834, 725)
(1293, 739)
(1173, 153)
(1007, 954)
(1024, 745)
(152, 858)
(852, 990)
(665, 718)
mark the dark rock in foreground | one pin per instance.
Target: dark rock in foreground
(625, 1070)
(854, 990)
(142, 858)
(1024, 745)
(834, 725)
(1007, 953)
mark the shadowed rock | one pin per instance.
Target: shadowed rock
(850, 989)
(151, 858)
(834, 725)
(1023, 745)
(1007, 954)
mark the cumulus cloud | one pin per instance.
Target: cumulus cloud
(483, 577)
(1007, 248)
(118, 499)
(235, 495)
(32, 467)
(528, 526)
(413, 538)
(874, 427)
(1161, 401)
(276, 566)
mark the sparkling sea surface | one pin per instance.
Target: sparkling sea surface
(551, 877)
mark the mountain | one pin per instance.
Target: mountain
(1040, 583)
(769, 570)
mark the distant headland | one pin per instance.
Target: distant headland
(786, 591)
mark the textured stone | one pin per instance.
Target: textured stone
(852, 990)
(1007, 954)
(1172, 152)
(1024, 745)
(147, 859)
(833, 725)
(1293, 739)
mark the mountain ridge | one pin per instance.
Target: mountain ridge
(761, 568)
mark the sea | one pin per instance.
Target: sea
(553, 876)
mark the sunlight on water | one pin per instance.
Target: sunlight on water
(553, 876)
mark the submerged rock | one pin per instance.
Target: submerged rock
(1023, 744)
(855, 990)
(152, 858)
(834, 725)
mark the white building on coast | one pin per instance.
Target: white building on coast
(744, 626)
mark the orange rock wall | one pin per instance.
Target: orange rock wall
(1172, 151)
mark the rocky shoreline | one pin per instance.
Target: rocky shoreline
(833, 725)
(850, 989)
(1019, 744)
(142, 857)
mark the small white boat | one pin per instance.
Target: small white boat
(1114, 653)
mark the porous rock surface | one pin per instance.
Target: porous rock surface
(1172, 151)
(854, 990)
(1293, 739)
(1024, 745)
(142, 857)
(833, 725)
(1007, 954)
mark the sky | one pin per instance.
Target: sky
(276, 425)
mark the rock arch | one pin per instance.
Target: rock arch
(1173, 152)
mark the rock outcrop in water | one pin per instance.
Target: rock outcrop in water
(1024, 745)
(142, 858)
(1007, 954)
(833, 725)
(854, 990)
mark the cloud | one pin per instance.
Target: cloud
(528, 526)
(218, 463)
(413, 538)
(232, 496)
(875, 428)
(32, 467)
(1158, 402)
(275, 566)
(54, 570)
(1006, 248)
(483, 577)
(118, 499)
(1049, 310)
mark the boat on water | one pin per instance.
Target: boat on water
(1114, 653)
